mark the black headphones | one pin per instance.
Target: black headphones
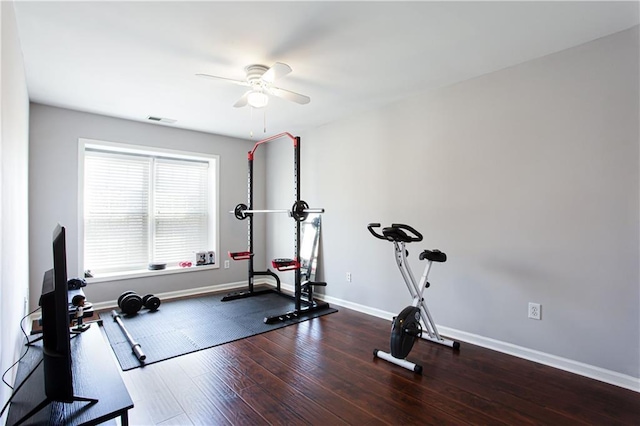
(76, 283)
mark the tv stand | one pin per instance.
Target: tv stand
(95, 374)
(48, 401)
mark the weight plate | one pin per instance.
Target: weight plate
(131, 304)
(126, 293)
(152, 303)
(239, 211)
(145, 298)
(298, 210)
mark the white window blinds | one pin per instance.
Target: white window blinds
(141, 209)
(181, 213)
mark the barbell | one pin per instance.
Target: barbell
(299, 211)
(135, 346)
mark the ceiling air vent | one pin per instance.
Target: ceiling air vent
(161, 119)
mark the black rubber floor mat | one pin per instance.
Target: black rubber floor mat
(184, 326)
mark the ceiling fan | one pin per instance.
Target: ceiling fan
(260, 79)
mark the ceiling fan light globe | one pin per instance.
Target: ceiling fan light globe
(257, 99)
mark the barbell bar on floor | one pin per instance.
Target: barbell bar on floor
(135, 346)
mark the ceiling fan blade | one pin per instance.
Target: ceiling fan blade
(230, 80)
(290, 96)
(243, 100)
(277, 70)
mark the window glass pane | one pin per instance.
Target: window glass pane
(116, 212)
(181, 209)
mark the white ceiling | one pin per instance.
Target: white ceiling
(135, 59)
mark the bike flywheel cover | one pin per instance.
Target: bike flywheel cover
(404, 331)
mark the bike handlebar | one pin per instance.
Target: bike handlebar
(374, 233)
(395, 232)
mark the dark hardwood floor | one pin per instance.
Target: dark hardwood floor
(323, 372)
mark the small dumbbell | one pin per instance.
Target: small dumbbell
(151, 302)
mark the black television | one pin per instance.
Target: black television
(58, 380)
(56, 336)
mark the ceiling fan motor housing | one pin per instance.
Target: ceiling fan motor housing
(254, 74)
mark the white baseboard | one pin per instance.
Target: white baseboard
(586, 370)
(111, 304)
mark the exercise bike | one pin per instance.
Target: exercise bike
(407, 326)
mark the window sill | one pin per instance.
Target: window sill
(147, 273)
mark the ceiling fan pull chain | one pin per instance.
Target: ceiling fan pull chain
(251, 122)
(264, 120)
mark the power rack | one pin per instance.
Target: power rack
(303, 289)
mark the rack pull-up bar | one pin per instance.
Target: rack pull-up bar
(271, 138)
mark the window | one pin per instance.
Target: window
(142, 206)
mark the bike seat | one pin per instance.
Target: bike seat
(433, 255)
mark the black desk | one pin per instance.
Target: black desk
(95, 375)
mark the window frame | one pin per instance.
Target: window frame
(214, 203)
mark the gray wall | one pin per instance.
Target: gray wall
(53, 194)
(527, 178)
(14, 152)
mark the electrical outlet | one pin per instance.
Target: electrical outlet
(226, 264)
(535, 311)
(348, 277)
